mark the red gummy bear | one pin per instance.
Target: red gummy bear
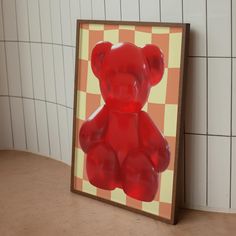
(124, 148)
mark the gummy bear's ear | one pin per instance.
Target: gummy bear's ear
(155, 61)
(98, 55)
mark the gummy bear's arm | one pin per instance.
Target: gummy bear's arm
(93, 129)
(153, 142)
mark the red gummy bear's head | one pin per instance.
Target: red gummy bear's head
(126, 73)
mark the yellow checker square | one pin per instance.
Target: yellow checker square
(102, 101)
(81, 105)
(170, 120)
(92, 81)
(160, 30)
(158, 92)
(167, 178)
(127, 27)
(175, 41)
(118, 195)
(151, 207)
(84, 42)
(89, 188)
(142, 38)
(99, 27)
(145, 107)
(111, 36)
(79, 157)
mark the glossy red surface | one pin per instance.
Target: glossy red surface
(124, 147)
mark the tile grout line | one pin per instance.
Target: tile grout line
(216, 57)
(55, 87)
(79, 9)
(121, 16)
(213, 135)
(231, 103)
(207, 151)
(160, 9)
(139, 11)
(43, 64)
(63, 55)
(91, 9)
(71, 40)
(32, 77)
(23, 105)
(63, 58)
(37, 99)
(39, 42)
(8, 87)
(105, 14)
(67, 112)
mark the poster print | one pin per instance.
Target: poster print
(127, 114)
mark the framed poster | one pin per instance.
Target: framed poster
(128, 114)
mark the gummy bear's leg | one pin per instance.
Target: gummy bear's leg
(139, 178)
(102, 166)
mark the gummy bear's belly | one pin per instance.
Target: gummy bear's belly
(122, 133)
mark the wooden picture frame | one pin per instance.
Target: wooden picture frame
(173, 40)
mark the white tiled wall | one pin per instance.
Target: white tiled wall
(37, 49)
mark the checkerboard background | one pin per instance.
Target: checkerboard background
(162, 104)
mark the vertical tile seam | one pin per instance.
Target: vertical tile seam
(231, 102)
(63, 58)
(121, 15)
(23, 106)
(91, 8)
(32, 77)
(54, 73)
(8, 89)
(79, 9)
(71, 40)
(139, 11)
(105, 14)
(207, 115)
(160, 10)
(45, 94)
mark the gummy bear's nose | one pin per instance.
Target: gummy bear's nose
(124, 87)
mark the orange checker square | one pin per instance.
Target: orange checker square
(165, 210)
(82, 75)
(141, 28)
(79, 123)
(173, 79)
(162, 41)
(85, 26)
(95, 36)
(157, 114)
(126, 35)
(104, 193)
(172, 144)
(175, 30)
(133, 203)
(110, 27)
(157, 197)
(78, 183)
(92, 103)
